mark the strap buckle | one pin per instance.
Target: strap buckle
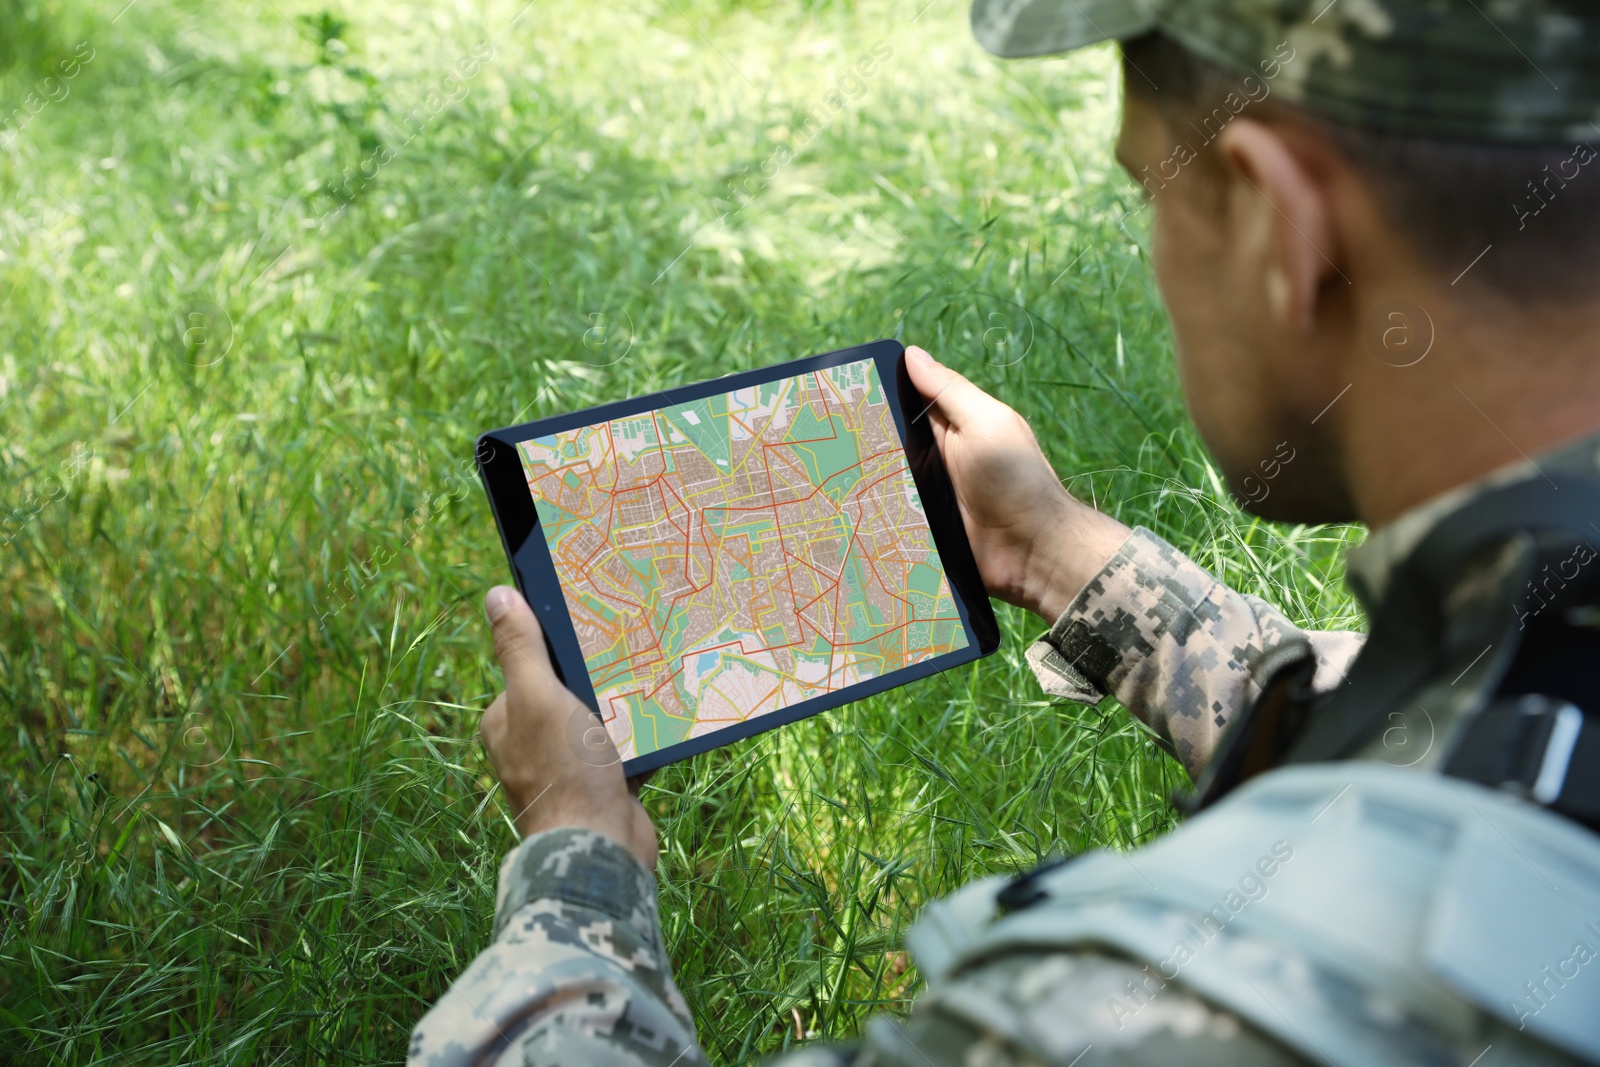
(1525, 746)
(1560, 743)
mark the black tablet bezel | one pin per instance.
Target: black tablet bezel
(517, 518)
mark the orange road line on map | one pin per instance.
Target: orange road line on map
(737, 642)
(844, 562)
(666, 681)
(636, 655)
(777, 522)
(661, 441)
(774, 690)
(838, 395)
(826, 410)
(819, 488)
(873, 565)
(755, 617)
(833, 582)
(666, 509)
(755, 434)
(604, 544)
(744, 718)
(872, 562)
(713, 687)
(807, 563)
(776, 401)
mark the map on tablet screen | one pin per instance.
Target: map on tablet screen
(724, 558)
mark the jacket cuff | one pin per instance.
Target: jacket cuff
(1076, 658)
(582, 868)
(1147, 592)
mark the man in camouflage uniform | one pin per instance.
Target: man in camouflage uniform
(1376, 229)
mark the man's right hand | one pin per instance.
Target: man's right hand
(1035, 545)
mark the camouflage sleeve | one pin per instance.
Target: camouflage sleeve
(1079, 1008)
(576, 973)
(1181, 650)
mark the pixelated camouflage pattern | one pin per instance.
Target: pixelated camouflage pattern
(577, 972)
(1179, 649)
(1494, 70)
(1049, 1007)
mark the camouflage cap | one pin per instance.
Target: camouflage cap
(1476, 70)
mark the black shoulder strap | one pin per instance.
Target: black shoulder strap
(1289, 724)
(1402, 650)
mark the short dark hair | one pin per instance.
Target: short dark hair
(1452, 199)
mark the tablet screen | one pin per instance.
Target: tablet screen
(738, 554)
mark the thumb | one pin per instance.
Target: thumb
(946, 391)
(518, 640)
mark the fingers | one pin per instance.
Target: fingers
(518, 640)
(491, 727)
(556, 763)
(947, 392)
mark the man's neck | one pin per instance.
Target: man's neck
(1487, 396)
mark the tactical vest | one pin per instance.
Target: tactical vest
(1360, 908)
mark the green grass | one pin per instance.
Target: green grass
(245, 815)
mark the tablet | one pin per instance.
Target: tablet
(718, 559)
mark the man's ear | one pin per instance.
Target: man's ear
(1286, 207)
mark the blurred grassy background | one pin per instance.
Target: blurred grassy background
(267, 269)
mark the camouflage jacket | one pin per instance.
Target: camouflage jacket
(577, 972)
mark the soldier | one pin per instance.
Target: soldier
(1376, 227)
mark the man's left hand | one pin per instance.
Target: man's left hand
(554, 759)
